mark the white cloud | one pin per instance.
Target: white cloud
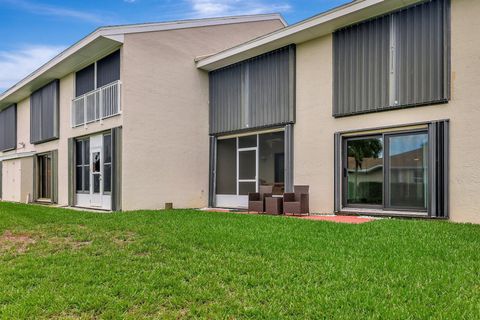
(211, 8)
(44, 9)
(130, 1)
(16, 65)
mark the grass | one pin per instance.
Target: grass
(57, 263)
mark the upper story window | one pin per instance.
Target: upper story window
(8, 128)
(97, 91)
(394, 61)
(44, 109)
(254, 93)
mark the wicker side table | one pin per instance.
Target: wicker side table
(274, 205)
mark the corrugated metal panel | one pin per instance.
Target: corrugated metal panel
(269, 98)
(108, 69)
(44, 105)
(256, 93)
(394, 61)
(211, 171)
(71, 171)
(289, 158)
(1, 179)
(361, 67)
(421, 53)
(85, 80)
(226, 99)
(439, 169)
(117, 169)
(337, 175)
(8, 128)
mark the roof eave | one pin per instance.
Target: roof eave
(99, 43)
(306, 30)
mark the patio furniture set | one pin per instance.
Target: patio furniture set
(264, 201)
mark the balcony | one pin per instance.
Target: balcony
(96, 105)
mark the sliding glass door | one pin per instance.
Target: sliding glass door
(407, 174)
(386, 171)
(364, 171)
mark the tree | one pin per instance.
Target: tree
(361, 149)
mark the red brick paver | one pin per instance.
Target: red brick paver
(331, 218)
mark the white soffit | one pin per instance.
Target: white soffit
(302, 31)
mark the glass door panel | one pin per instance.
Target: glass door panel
(247, 171)
(96, 172)
(407, 171)
(271, 161)
(247, 165)
(363, 172)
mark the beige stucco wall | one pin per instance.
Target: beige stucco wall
(315, 126)
(22, 187)
(165, 138)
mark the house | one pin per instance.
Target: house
(119, 120)
(376, 103)
(373, 104)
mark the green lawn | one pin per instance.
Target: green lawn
(57, 263)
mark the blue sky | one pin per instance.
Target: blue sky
(33, 31)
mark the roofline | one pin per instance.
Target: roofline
(335, 18)
(116, 33)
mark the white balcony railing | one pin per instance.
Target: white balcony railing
(96, 105)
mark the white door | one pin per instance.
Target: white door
(246, 175)
(242, 152)
(96, 196)
(96, 177)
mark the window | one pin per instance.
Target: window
(44, 176)
(82, 173)
(388, 171)
(85, 80)
(44, 108)
(407, 170)
(97, 90)
(394, 169)
(261, 159)
(397, 60)
(364, 171)
(107, 163)
(98, 74)
(8, 128)
(271, 160)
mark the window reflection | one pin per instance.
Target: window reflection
(365, 171)
(408, 163)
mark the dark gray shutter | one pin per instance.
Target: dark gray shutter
(395, 61)
(361, 67)
(422, 42)
(117, 169)
(36, 116)
(337, 175)
(255, 93)
(85, 80)
(269, 88)
(439, 169)
(226, 99)
(54, 155)
(44, 109)
(212, 171)
(8, 128)
(289, 158)
(108, 69)
(35, 179)
(71, 171)
(1, 183)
